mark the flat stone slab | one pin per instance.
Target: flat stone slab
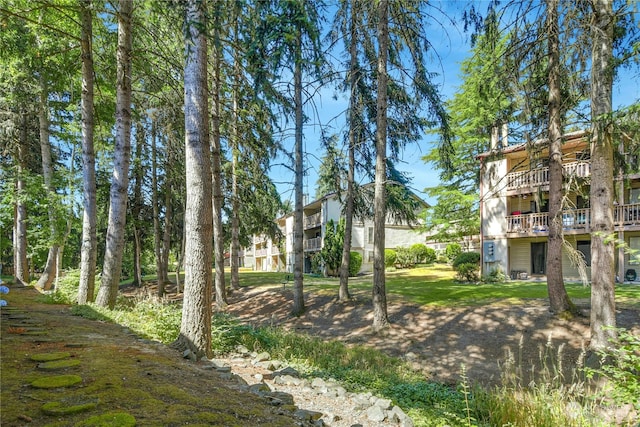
(59, 408)
(57, 381)
(115, 419)
(48, 357)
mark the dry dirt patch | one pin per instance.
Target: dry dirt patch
(438, 340)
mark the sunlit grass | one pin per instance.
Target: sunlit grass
(435, 286)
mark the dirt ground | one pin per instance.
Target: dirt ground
(438, 340)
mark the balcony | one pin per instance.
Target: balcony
(573, 221)
(260, 253)
(313, 221)
(313, 244)
(540, 176)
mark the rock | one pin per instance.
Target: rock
(287, 380)
(383, 403)
(242, 350)
(260, 388)
(279, 398)
(376, 414)
(261, 357)
(259, 377)
(398, 416)
(318, 382)
(288, 371)
(306, 415)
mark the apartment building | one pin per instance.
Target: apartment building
(278, 256)
(514, 194)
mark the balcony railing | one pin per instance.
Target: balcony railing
(572, 220)
(312, 221)
(313, 244)
(540, 176)
(260, 252)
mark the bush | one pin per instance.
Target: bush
(467, 272)
(419, 252)
(466, 258)
(390, 258)
(404, 258)
(452, 251)
(355, 262)
(496, 275)
(430, 256)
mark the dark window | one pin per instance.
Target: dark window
(584, 247)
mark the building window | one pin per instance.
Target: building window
(634, 245)
(370, 235)
(584, 247)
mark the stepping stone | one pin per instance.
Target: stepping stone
(48, 357)
(58, 364)
(115, 419)
(57, 381)
(58, 408)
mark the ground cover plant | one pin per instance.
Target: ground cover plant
(359, 367)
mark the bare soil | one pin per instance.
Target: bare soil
(438, 340)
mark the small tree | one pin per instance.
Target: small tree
(452, 251)
(331, 253)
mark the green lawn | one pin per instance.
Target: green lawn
(435, 286)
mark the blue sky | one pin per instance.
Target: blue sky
(452, 46)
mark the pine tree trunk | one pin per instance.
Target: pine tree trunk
(89, 235)
(49, 272)
(114, 244)
(603, 313)
(235, 141)
(558, 298)
(195, 328)
(137, 206)
(343, 293)
(20, 263)
(157, 238)
(379, 297)
(298, 228)
(216, 176)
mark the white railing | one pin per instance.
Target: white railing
(313, 244)
(572, 220)
(313, 220)
(540, 176)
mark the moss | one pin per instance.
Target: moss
(58, 408)
(47, 357)
(115, 419)
(56, 381)
(58, 364)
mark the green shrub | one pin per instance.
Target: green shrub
(467, 272)
(404, 258)
(466, 258)
(430, 256)
(355, 262)
(496, 275)
(452, 251)
(620, 365)
(419, 252)
(390, 257)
